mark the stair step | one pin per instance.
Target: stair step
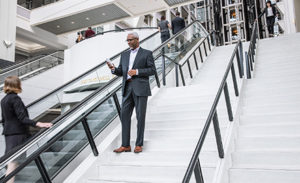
(282, 143)
(279, 109)
(277, 103)
(164, 158)
(269, 118)
(178, 124)
(268, 93)
(263, 176)
(146, 173)
(253, 131)
(267, 160)
(181, 144)
(177, 133)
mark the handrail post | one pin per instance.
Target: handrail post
(182, 76)
(242, 56)
(41, 167)
(228, 104)
(176, 75)
(163, 66)
(208, 42)
(236, 90)
(196, 63)
(247, 66)
(199, 48)
(198, 172)
(218, 135)
(157, 80)
(89, 136)
(239, 64)
(205, 48)
(190, 70)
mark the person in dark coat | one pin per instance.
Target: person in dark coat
(15, 119)
(270, 12)
(177, 25)
(163, 27)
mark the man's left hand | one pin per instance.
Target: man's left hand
(132, 72)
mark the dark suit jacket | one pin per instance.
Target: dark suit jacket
(177, 24)
(266, 11)
(146, 67)
(14, 115)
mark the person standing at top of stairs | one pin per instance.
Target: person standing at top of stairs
(136, 65)
(270, 12)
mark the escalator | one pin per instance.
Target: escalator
(89, 106)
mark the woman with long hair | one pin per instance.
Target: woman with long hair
(15, 119)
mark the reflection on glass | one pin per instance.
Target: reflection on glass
(28, 174)
(64, 149)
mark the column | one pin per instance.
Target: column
(168, 15)
(189, 14)
(154, 20)
(8, 19)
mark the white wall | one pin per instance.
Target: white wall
(289, 16)
(89, 53)
(8, 12)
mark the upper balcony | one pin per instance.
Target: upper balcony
(70, 15)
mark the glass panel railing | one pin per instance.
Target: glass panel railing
(59, 144)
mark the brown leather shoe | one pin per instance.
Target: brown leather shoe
(123, 149)
(138, 149)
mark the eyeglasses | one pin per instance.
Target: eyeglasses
(128, 40)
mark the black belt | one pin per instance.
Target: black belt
(128, 80)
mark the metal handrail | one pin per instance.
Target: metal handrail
(194, 165)
(250, 55)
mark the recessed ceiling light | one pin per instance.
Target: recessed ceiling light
(58, 26)
(72, 22)
(103, 14)
(87, 18)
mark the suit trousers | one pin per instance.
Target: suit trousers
(270, 24)
(129, 102)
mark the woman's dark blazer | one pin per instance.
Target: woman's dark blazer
(15, 117)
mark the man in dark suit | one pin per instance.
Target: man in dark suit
(177, 25)
(136, 65)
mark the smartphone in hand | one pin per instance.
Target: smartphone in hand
(108, 62)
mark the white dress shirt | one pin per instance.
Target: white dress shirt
(131, 61)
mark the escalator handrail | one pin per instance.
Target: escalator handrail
(60, 134)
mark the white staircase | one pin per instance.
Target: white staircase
(174, 122)
(267, 147)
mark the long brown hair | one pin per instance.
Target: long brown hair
(12, 84)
